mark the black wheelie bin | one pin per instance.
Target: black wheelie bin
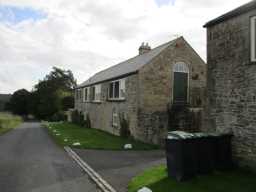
(181, 155)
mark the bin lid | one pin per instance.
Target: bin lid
(215, 134)
(179, 135)
(200, 135)
(219, 134)
(173, 137)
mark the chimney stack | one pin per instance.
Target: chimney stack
(144, 48)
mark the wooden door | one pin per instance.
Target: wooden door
(180, 87)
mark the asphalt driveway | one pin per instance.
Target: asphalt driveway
(119, 167)
(31, 162)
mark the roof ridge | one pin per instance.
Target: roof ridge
(161, 45)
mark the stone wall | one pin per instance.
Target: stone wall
(231, 90)
(156, 84)
(100, 113)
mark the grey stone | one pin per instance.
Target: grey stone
(231, 89)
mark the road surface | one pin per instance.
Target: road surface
(31, 162)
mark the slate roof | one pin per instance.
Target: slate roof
(127, 67)
(238, 11)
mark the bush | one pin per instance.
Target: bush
(59, 116)
(78, 118)
(88, 121)
(124, 126)
(182, 118)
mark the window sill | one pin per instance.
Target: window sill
(95, 101)
(117, 100)
(250, 63)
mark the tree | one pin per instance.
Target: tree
(58, 79)
(19, 102)
(53, 94)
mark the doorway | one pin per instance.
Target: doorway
(180, 83)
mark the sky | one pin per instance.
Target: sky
(87, 36)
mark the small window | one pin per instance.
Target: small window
(96, 93)
(253, 39)
(111, 88)
(117, 90)
(180, 67)
(86, 97)
(122, 88)
(79, 94)
(85, 94)
(93, 93)
(115, 119)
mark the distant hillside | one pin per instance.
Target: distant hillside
(4, 98)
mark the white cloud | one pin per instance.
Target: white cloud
(87, 36)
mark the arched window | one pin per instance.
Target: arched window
(180, 67)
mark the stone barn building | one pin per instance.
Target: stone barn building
(141, 92)
(231, 82)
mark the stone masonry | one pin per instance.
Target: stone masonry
(100, 113)
(231, 90)
(156, 87)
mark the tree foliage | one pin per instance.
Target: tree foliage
(50, 96)
(19, 102)
(54, 93)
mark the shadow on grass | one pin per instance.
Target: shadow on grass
(234, 181)
(230, 181)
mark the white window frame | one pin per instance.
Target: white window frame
(180, 67)
(121, 91)
(253, 38)
(84, 94)
(115, 119)
(79, 94)
(97, 93)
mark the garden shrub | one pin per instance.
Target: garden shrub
(183, 119)
(59, 116)
(124, 126)
(78, 118)
(88, 121)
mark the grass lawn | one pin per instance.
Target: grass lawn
(66, 134)
(157, 180)
(8, 122)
